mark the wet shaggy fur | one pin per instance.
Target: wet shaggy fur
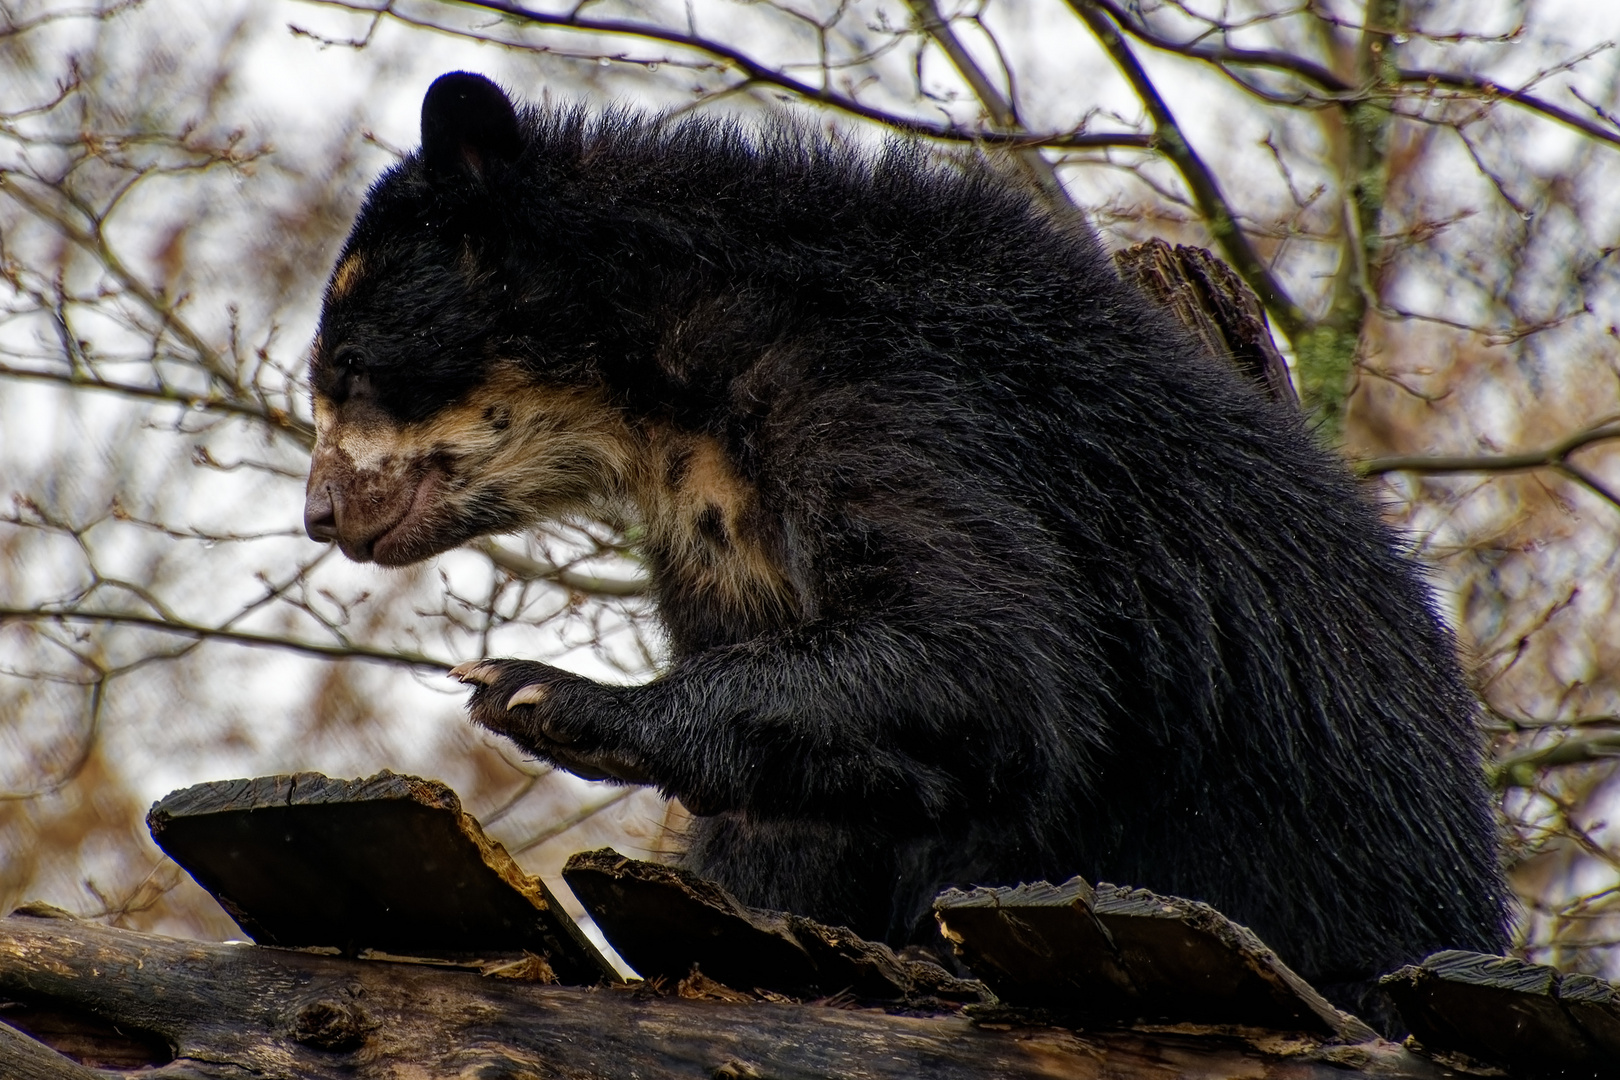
(974, 569)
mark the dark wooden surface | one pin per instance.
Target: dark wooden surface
(1510, 1012)
(662, 921)
(87, 1039)
(391, 867)
(1036, 945)
(1129, 954)
(244, 1011)
(1208, 298)
(390, 863)
(665, 921)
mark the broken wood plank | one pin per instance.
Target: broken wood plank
(1129, 954)
(664, 921)
(1594, 1004)
(1209, 299)
(389, 864)
(1038, 945)
(231, 1011)
(1186, 959)
(1509, 1012)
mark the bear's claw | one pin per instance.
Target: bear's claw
(533, 694)
(482, 672)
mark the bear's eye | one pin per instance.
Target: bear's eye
(351, 374)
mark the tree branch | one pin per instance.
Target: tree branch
(283, 422)
(523, 567)
(1551, 457)
(1487, 88)
(93, 242)
(572, 821)
(237, 637)
(1002, 110)
(758, 72)
(1325, 80)
(1523, 769)
(1206, 192)
(1554, 457)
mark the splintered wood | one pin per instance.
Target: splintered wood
(389, 864)
(1128, 954)
(1209, 299)
(666, 922)
(1504, 1011)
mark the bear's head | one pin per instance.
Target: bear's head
(434, 421)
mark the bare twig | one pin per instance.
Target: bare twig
(574, 820)
(1003, 111)
(759, 72)
(236, 637)
(93, 241)
(1524, 769)
(1336, 89)
(526, 568)
(1172, 142)
(278, 420)
(1554, 457)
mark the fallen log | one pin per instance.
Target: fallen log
(390, 869)
(232, 1011)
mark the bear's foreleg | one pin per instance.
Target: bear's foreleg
(839, 721)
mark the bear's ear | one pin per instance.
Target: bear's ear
(467, 122)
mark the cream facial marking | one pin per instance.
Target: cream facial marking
(515, 452)
(370, 447)
(507, 454)
(365, 446)
(325, 420)
(346, 276)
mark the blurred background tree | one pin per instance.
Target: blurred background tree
(1425, 194)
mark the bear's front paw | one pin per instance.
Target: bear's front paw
(563, 717)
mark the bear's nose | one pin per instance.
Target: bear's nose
(320, 515)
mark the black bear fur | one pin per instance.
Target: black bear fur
(998, 577)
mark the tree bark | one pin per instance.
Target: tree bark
(1208, 298)
(233, 1011)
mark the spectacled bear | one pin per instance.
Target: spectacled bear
(974, 569)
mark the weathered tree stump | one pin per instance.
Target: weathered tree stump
(1208, 298)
